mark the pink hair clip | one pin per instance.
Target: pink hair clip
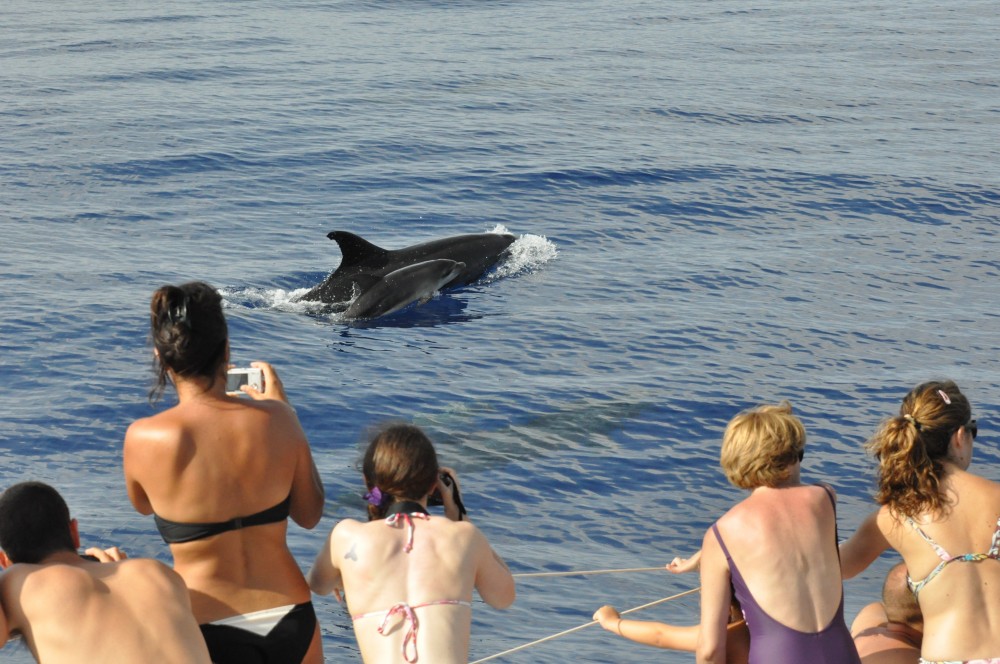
(944, 397)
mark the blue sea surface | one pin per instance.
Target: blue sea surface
(717, 204)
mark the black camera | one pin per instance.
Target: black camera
(435, 498)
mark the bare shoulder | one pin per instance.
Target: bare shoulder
(146, 567)
(142, 433)
(46, 581)
(464, 531)
(346, 528)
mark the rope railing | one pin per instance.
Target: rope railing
(586, 572)
(578, 628)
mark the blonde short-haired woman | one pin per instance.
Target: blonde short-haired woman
(778, 549)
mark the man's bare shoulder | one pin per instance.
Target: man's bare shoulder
(66, 578)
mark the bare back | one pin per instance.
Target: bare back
(783, 534)
(114, 613)
(959, 603)
(435, 579)
(217, 458)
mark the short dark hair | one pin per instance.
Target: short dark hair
(34, 523)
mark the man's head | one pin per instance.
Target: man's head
(34, 523)
(899, 601)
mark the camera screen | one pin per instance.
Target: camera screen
(235, 380)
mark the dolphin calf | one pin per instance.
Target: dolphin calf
(408, 284)
(363, 264)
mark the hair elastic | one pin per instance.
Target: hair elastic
(374, 497)
(909, 418)
(178, 314)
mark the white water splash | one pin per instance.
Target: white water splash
(276, 299)
(527, 254)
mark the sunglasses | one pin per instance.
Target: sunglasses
(972, 428)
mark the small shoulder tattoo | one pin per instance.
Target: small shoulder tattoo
(352, 554)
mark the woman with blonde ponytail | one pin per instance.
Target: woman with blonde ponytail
(943, 520)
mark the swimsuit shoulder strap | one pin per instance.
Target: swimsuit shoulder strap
(995, 543)
(829, 494)
(938, 549)
(718, 537)
(833, 503)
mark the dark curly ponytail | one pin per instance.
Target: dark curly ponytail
(912, 447)
(189, 333)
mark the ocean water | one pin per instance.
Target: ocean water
(718, 204)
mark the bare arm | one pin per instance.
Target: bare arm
(863, 547)
(656, 634)
(494, 582)
(682, 565)
(308, 496)
(325, 578)
(715, 602)
(132, 461)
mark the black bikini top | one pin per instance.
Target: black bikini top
(173, 532)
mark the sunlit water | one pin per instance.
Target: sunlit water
(717, 204)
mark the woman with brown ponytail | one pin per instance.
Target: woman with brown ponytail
(942, 519)
(408, 577)
(221, 475)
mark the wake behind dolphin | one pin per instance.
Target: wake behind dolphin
(381, 281)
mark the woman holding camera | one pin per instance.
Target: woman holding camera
(221, 475)
(776, 550)
(942, 519)
(405, 569)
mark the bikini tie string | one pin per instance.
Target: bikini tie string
(411, 634)
(408, 518)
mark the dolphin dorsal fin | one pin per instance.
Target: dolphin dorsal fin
(356, 250)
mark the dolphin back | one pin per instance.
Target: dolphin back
(364, 263)
(403, 287)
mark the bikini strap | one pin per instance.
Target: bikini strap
(938, 549)
(411, 633)
(412, 624)
(995, 543)
(393, 519)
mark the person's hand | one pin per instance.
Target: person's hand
(114, 554)
(273, 388)
(606, 615)
(682, 565)
(447, 492)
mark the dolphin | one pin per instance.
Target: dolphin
(363, 263)
(403, 286)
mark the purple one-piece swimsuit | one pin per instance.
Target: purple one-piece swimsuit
(774, 643)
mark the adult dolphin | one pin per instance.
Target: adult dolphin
(413, 283)
(363, 263)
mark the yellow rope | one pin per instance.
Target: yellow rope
(577, 629)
